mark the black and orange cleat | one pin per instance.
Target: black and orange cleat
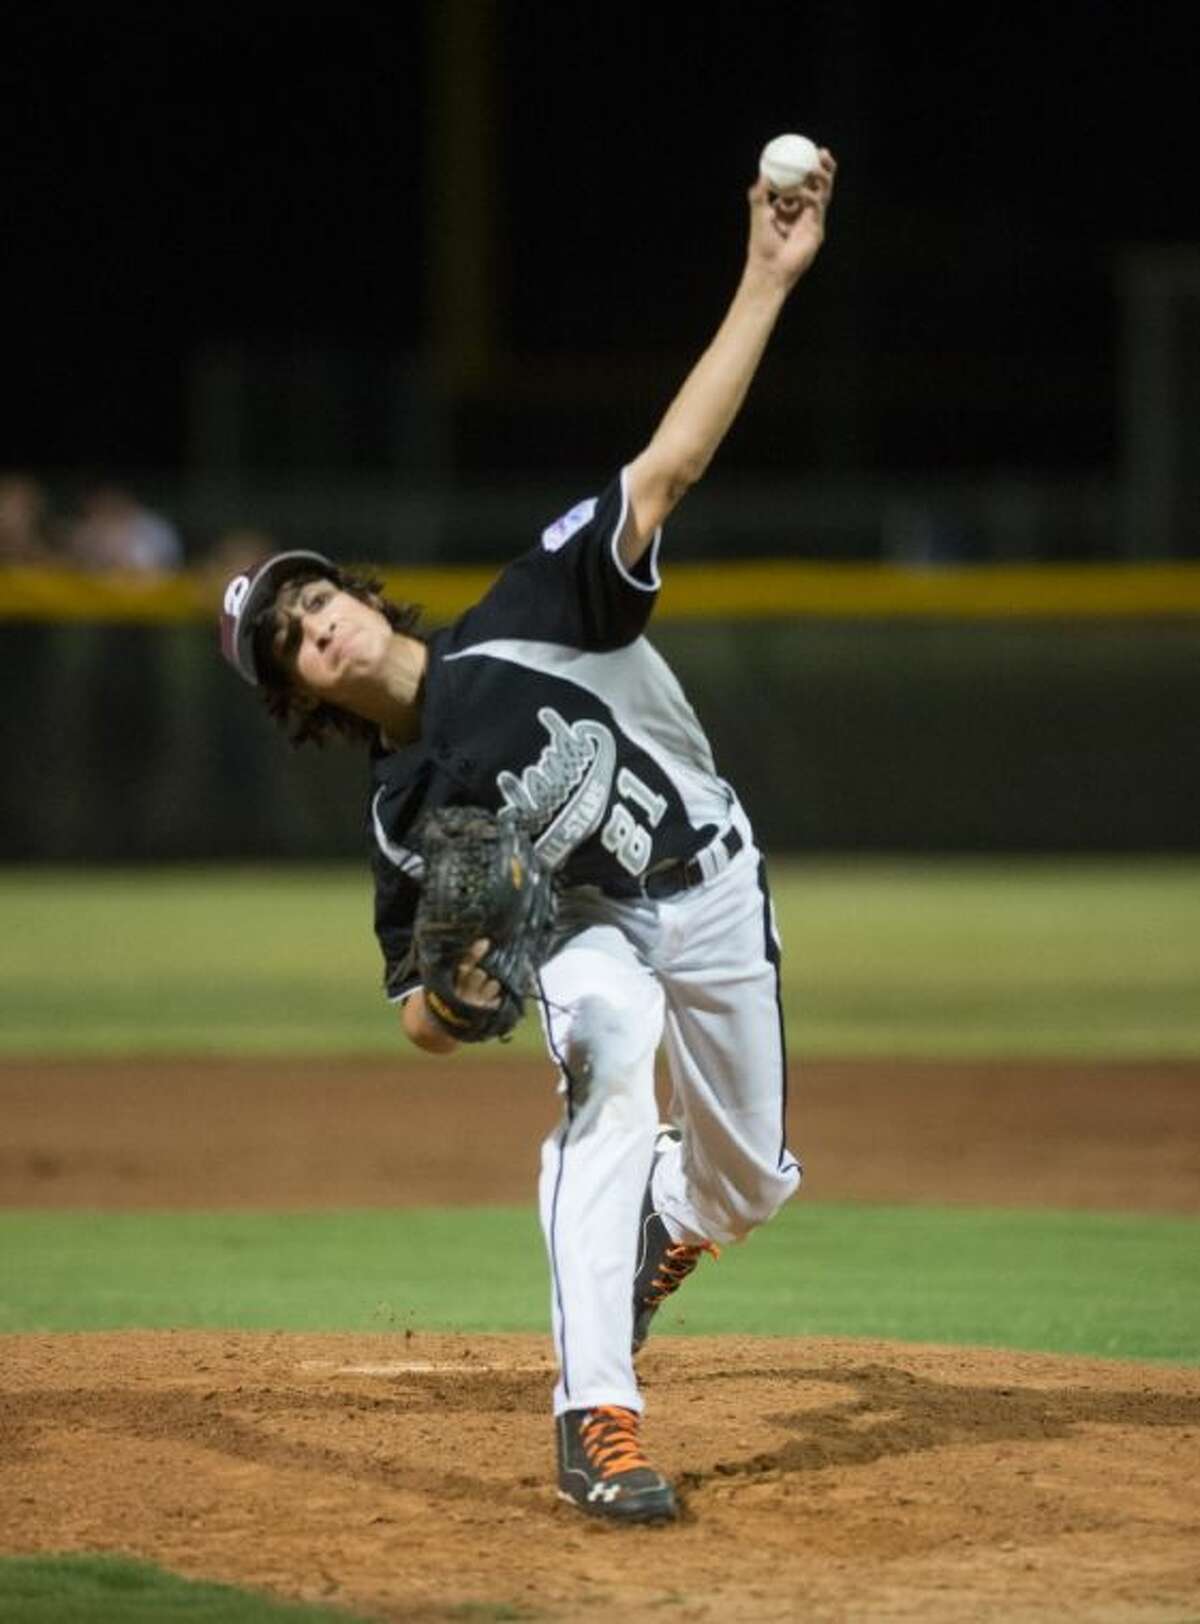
(662, 1264)
(602, 1470)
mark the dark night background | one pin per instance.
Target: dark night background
(260, 176)
(404, 282)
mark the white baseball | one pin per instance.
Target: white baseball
(786, 161)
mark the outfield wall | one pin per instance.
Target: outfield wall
(956, 716)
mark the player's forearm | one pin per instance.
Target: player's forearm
(784, 240)
(421, 1028)
(703, 411)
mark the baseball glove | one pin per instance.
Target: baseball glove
(482, 879)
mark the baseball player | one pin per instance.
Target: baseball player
(546, 697)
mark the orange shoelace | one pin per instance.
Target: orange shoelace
(609, 1435)
(677, 1263)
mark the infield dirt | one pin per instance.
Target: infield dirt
(408, 1476)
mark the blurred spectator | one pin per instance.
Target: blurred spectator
(115, 531)
(23, 531)
(239, 548)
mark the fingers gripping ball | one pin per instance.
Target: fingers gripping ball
(483, 878)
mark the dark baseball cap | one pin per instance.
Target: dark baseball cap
(249, 592)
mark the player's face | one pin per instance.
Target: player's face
(332, 645)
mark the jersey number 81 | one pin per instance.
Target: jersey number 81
(630, 841)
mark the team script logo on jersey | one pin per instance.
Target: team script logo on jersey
(568, 787)
(557, 535)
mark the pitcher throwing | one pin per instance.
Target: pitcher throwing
(546, 698)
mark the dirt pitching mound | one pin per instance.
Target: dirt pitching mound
(410, 1477)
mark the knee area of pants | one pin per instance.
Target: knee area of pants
(609, 1047)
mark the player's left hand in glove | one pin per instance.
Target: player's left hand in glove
(484, 921)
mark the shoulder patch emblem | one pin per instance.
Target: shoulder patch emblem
(557, 535)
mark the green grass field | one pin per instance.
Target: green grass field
(105, 1590)
(937, 959)
(968, 958)
(1108, 1284)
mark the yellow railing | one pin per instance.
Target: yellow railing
(761, 589)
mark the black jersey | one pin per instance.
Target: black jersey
(546, 697)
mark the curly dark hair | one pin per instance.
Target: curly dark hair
(314, 724)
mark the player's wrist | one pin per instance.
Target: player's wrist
(764, 287)
(423, 1028)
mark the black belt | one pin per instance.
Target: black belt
(682, 874)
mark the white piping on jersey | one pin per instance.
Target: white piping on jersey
(655, 581)
(404, 858)
(646, 702)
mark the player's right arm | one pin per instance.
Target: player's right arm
(781, 247)
(421, 1027)
(473, 986)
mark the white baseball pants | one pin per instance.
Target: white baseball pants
(699, 973)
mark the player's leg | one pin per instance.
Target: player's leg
(602, 1012)
(725, 1053)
